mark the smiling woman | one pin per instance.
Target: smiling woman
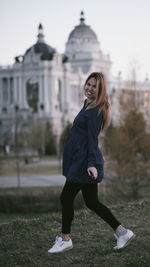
(83, 164)
(90, 89)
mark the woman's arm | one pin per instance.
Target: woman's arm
(94, 124)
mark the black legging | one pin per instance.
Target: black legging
(90, 195)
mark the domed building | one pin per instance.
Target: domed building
(45, 51)
(83, 50)
(82, 41)
(46, 85)
(38, 85)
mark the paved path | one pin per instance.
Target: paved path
(32, 180)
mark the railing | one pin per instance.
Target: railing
(6, 67)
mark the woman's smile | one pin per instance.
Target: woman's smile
(90, 89)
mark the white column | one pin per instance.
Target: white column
(49, 94)
(46, 102)
(1, 95)
(11, 89)
(40, 90)
(39, 79)
(20, 92)
(15, 90)
(8, 91)
(43, 89)
(52, 95)
(24, 93)
(67, 91)
(24, 98)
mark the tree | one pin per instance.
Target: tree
(36, 137)
(128, 143)
(50, 140)
(64, 136)
(40, 138)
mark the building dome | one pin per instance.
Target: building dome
(41, 47)
(82, 38)
(82, 33)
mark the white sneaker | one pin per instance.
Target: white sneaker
(124, 240)
(61, 245)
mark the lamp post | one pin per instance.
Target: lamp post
(16, 145)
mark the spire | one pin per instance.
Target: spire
(82, 19)
(40, 34)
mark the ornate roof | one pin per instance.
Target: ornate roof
(82, 33)
(40, 47)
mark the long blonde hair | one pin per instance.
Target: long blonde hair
(101, 100)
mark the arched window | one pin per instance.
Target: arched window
(32, 88)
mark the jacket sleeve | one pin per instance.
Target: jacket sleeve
(94, 125)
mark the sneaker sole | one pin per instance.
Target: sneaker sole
(127, 243)
(62, 250)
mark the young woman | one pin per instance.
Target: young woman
(83, 164)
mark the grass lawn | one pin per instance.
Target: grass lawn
(8, 167)
(31, 170)
(24, 242)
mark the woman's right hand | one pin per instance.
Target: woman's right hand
(92, 171)
(104, 159)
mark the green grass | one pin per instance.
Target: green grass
(32, 200)
(6, 218)
(31, 170)
(47, 199)
(10, 170)
(8, 166)
(8, 157)
(24, 242)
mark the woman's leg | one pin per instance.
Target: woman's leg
(90, 195)
(68, 194)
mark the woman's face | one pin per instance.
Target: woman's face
(90, 89)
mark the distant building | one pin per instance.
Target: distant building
(46, 85)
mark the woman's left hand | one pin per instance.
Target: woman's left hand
(92, 171)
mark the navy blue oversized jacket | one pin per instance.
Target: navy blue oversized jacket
(81, 149)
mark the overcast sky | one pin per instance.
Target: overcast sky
(122, 28)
